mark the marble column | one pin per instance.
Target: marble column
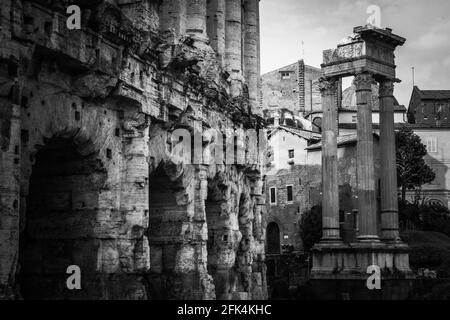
(196, 18)
(367, 206)
(330, 186)
(389, 198)
(216, 28)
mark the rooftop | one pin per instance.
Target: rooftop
(305, 134)
(341, 141)
(434, 94)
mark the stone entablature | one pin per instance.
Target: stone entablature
(370, 50)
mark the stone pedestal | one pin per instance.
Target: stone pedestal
(351, 261)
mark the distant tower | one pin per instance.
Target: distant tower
(301, 87)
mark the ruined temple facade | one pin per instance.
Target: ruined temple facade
(87, 176)
(368, 55)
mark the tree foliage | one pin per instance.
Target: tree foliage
(311, 227)
(412, 171)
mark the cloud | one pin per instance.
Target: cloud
(446, 61)
(321, 24)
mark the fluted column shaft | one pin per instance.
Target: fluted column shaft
(365, 160)
(330, 186)
(389, 199)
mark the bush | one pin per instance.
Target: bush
(311, 227)
(424, 217)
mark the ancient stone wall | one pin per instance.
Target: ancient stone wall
(87, 173)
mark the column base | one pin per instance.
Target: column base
(391, 235)
(350, 262)
(369, 239)
(330, 241)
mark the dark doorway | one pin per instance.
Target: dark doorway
(273, 239)
(58, 224)
(166, 219)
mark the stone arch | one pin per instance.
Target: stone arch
(317, 121)
(167, 216)
(59, 218)
(93, 133)
(437, 203)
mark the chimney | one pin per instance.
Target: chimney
(301, 87)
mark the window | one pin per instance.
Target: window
(289, 194)
(273, 195)
(432, 145)
(354, 119)
(285, 75)
(291, 154)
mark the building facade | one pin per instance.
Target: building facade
(289, 181)
(89, 121)
(294, 186)
(348, 112)
(428, 115)
(293, 87)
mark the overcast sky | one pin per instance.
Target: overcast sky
(321, 24)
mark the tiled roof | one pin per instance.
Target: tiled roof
(435, 94)
(341, 141)
(308, 135)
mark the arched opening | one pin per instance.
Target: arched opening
(273, 251)
(273, 239)
(57, 229)
(318, 123)
(164, 235)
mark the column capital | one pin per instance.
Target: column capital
(364, 81)
(386, 88)
(327, 84)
